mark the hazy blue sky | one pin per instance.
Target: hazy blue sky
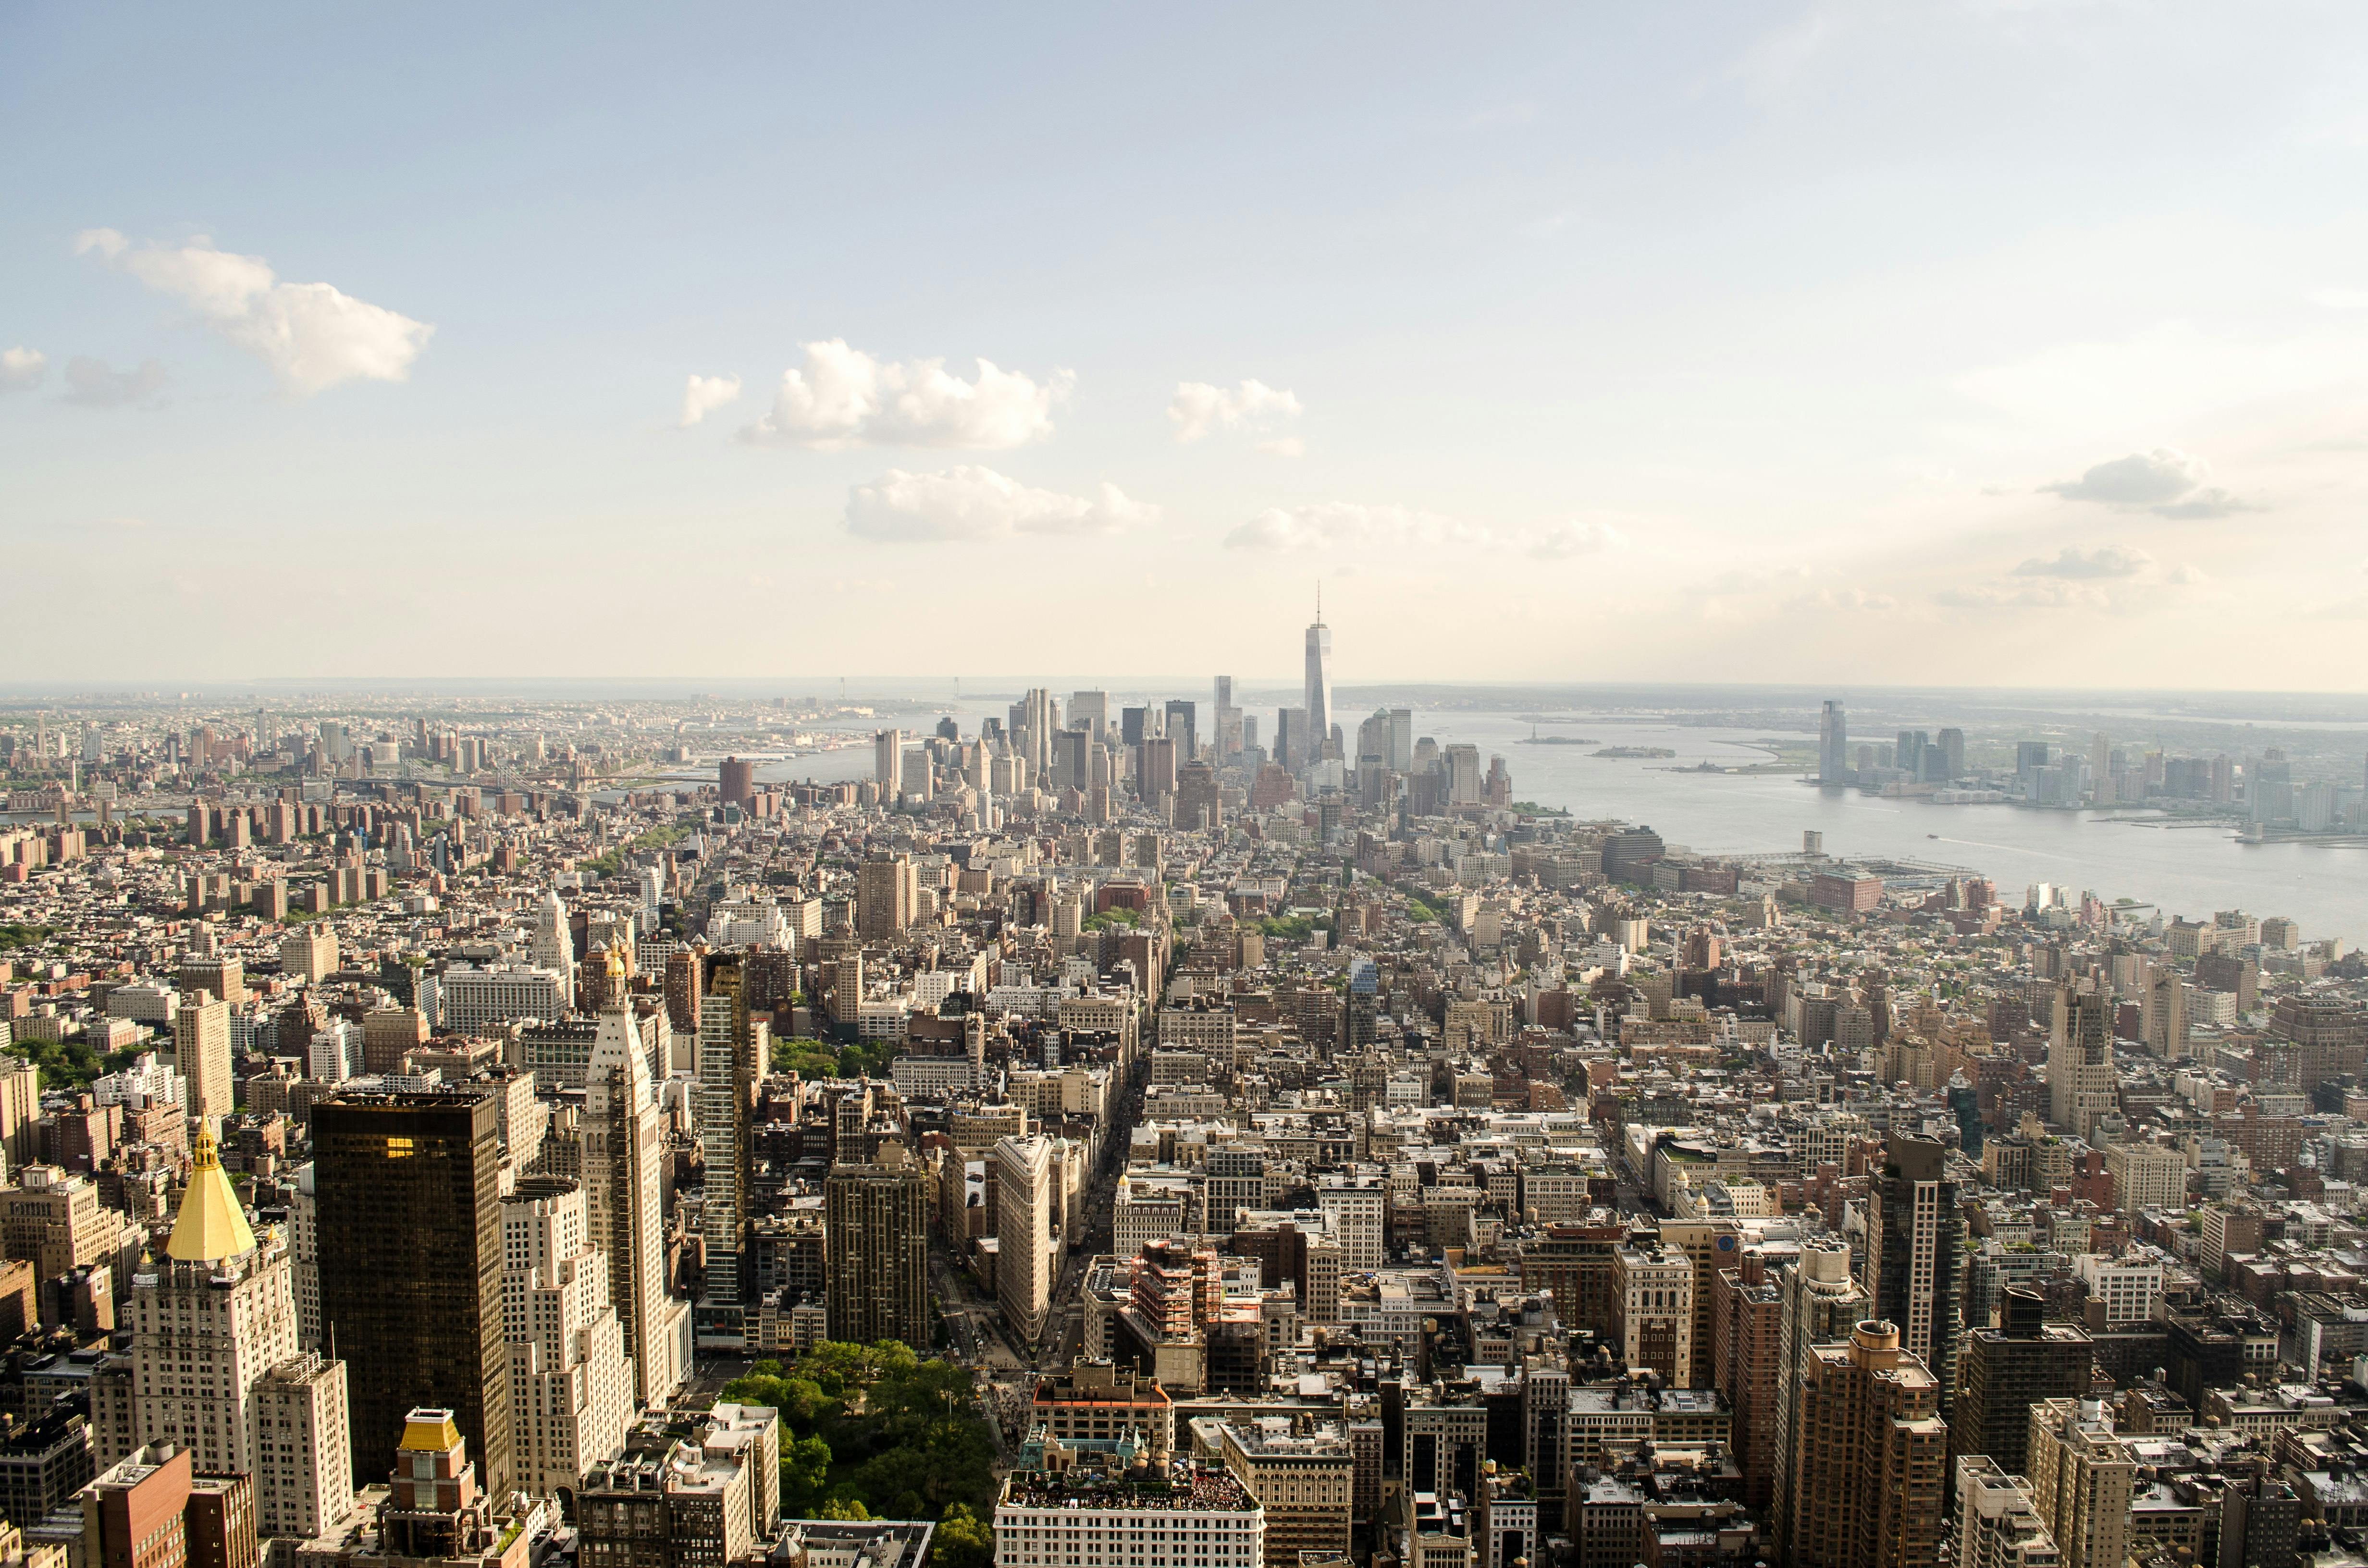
(2004, 342)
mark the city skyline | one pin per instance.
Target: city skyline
(1076, 1105)
(1722, 345)
(1315, 787)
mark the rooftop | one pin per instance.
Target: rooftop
(1176, 1491)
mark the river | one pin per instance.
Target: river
(2190, 872)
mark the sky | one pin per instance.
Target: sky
(1969, 343)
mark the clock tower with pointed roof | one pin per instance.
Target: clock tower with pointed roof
(209, 1319)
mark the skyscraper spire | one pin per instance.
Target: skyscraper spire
(1317, 692)
(210, 1225)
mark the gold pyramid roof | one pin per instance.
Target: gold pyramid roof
(430, 1431)
(211, 1225)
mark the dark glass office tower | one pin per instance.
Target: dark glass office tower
(1914, 1250)
(408, 1188)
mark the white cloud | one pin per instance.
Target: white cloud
(2340, 299)
(844, 397)
(1284, 446)
(2165, 482)
(2106, 560)
(1566, 539)
(1347, 526)
(91, 384)
(2210, 502)
(1198, 409)
(1756, 579)
(704, 394)
(22, 368)
(974, 503)
(1842, 601)
(2044, 594)
(311, 334)
(2141, 479)
(2187, 576)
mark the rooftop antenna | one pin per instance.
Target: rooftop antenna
(1319, 601)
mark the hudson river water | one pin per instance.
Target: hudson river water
(2190, 872)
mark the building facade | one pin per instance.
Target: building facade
(409, 1186)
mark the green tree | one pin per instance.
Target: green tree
(874, 1425)
(807, 1058)
(805, 1471)
(963, 1540)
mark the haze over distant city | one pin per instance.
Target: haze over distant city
(1967, 345)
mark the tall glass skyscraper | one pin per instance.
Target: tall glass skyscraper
(407, 1186)
(1833, 746)
(1318, 699)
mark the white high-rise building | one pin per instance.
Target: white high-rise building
(471, 1001)
(750, 923)
(304, 1249)
(2128, 1286)
(1833, 746)
(2082, 1478)
(1998, 1524)
(1653, 1311)
(303, 1455)
(1043, 1521)
(1039, 716)
(211, 1322)
(2082, 1085)
(336, 1054)
(624, 1188)
(1358, 1208)
(1317, 699)
(201, 1054)
(208, 1319)
(552, 947)
(571, 1386)
(888, 764)
(1029, 1241)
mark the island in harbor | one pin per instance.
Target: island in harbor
(1636, 753)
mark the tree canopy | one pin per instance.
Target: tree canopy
(873, 1431)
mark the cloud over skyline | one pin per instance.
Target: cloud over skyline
(703, 395)
(2165, 482)
(91, 383)
(2105, 561)
(311, 334)
(1350, 526)
(22, 369)
(844, 397)
(1199, 408)
(973, 504)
